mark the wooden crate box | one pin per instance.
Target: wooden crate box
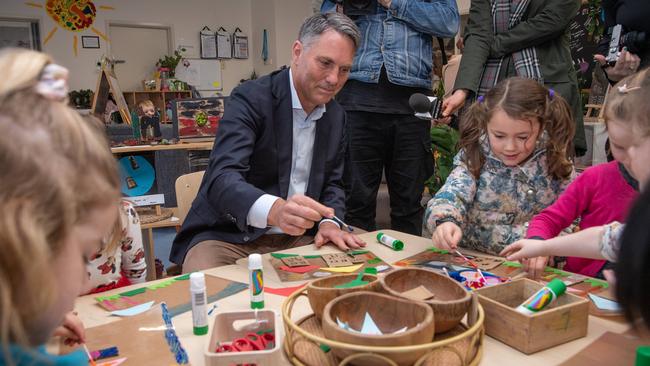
(562, 321)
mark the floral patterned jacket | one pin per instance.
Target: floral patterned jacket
(105, 270)
(494, 210)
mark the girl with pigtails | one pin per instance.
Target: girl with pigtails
(513, 162)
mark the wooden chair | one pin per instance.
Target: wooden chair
(187, 187)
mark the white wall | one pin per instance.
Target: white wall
(186, 18)
(282, 18)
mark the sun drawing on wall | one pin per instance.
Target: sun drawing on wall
(72, 15)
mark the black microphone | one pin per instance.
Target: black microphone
(425, 107)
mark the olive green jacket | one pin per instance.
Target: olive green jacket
(544, 26)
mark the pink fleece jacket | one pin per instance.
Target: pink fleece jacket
(601, 194)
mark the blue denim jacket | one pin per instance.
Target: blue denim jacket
(400, 38)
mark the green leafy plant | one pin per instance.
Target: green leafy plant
(170, 62)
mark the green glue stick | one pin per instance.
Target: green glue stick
(256, 281)
(199, 303)
(390, 242)
(543, 297)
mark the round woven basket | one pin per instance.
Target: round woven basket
(148, 214)
(305, 344)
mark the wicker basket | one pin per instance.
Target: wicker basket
(304, 342)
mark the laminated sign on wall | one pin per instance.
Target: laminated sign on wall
(224, 47)
(208, 43)
(239, 44)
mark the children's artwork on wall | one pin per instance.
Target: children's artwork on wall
(74, 16)
(197, 118)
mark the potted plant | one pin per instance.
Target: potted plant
(170, 62)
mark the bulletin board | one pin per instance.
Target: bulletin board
(203, 74)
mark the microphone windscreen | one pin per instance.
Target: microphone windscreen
(420, 103)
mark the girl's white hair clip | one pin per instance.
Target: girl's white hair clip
(623, 89)
(53, 83)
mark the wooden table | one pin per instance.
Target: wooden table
(495, 352)
(206, 145)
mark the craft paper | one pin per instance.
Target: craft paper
(382, 267)
(368, 327)
(303, 269)
(347, 269)
(321, 274)
(111, 362)
(135, 310)
(283, 291)
(604, 304)
(418, 293)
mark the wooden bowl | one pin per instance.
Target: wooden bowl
(322, 291)
(450, 302)
(390, 313)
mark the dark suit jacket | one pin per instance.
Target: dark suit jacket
(252, 156)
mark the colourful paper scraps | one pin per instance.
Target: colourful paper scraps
(604, 304)
(357, 252)
(512, 264)
(184, 277)
(282, 255)
(370, 270)
(137, 291)
(374, 260)
(347, 269)
(112, 362)
(440, 251)
(303, 269)
(134, 310)
(312, 256)
(116, 302)
(382, 267)
(284, 291)
(596, 282)
(358, 281)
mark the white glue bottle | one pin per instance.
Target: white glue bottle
(540, 299)
(256, 278)
(390, 242)
(199, 303)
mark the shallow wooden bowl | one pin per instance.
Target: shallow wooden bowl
(322, 291)
(450, 302)
(390, 313)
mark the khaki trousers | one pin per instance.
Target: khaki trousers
(214, 253)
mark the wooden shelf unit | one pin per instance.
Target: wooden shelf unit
(159, 99)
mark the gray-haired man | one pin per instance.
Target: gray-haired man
(276, 167)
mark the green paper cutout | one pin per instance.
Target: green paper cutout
(354, 283)
(512, 264)
(374, 260)
(282, 255)
(161, 284)
(312, 256)
(370, 270)
(325, 348)
(597, 283)
(183, 277)
(357, 252)
(137, 291)
(104, 298)
(440, 251)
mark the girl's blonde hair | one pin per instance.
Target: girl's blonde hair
(523, 99)
(628, 101)
(56, 166)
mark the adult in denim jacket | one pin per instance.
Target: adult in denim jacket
(393, 61)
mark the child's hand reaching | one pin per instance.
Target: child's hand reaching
(447, 236)
(524, 249)
(72, 331)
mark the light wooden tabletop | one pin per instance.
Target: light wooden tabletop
(495, 352)
(206, 145)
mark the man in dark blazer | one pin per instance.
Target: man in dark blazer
(276, 166)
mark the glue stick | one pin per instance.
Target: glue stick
(390, 242)
(199, 302)
(543, 297)
(256, 281)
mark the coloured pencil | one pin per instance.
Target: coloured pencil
(90, 358)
